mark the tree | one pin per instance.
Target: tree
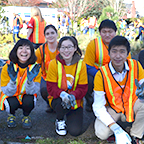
(119, 7)
(108, 13)
(80, 8)
(95, 8)
(24, 2)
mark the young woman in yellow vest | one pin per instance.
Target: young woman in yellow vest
(20, 83)
(36, 27)
(67, 85)
(45, 53)
(117, 97)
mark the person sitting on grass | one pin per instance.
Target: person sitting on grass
(20, 83)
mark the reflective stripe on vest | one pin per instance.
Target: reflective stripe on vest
(36, 40)
(100, 51)
(38, 36)
(2, 99)
(45, 59)
(110, 85)
(20, 83)
(60, 67)
(121, 99)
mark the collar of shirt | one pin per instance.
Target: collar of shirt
(119, 76)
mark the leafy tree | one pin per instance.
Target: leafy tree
(24, 2)
(119, 7)
(95, 8)
(108, 13)
(1, 11)
(3, 2)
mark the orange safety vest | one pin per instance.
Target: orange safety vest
(15, 21)
(62, 82)
(121, 99)
(20, 82)
(38, 31)
(102, 56)
(45, 59)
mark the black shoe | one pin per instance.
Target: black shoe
(49, 109)
(60, 127)
(135, 140)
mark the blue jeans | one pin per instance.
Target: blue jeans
(17, 37)
(91, 32)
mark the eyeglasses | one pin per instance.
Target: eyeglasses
(69, 47)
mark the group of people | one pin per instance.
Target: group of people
(111, 82)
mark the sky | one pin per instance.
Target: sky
(139, 4)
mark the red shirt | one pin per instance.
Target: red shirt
(31, 25)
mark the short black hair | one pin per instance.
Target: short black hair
(73, 40)
(13, 54)
(118, 41)
(50, 26)
(107, 24)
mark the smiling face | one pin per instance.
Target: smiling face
(107, 35)
(67, 50)
(51, 35)
(118, 55)
(23, 53)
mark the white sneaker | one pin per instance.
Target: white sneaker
(60, 127)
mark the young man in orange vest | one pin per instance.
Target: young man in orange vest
(96, 55)
(119, 95)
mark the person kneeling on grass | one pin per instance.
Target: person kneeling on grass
(20, 83)
(67, 84)
(118, 92)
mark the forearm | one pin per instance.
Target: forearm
(29, 32)
(53, 89)
(32, 88)
(80, 91)
(10, 89)
(99, 108)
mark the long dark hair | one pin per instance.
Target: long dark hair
(13, 54)
(50, 26)
(73, 40)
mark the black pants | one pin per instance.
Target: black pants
(43, 90)
(27, 104)
(88, 96)
(17, 37)
(74, 118)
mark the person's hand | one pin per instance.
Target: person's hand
(72, 100)
(68, 100)
(64, 96)
(140, 90)
(121, 136)
(33, 73)
(12, 73)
